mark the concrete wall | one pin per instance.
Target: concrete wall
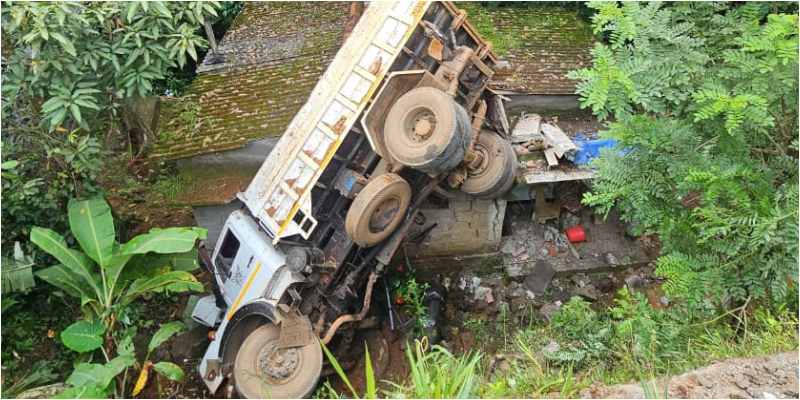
(466, 227)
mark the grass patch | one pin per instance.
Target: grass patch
(167, 190)
(628, 342)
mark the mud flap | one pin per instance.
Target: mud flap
(296, 331)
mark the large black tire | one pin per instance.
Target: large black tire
(428, 131)
(378, 209)
(262, 371)
(496, 174)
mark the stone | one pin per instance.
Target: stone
(476, 281)
(515, 271)
(550, 234)
(630, 227)
(539, 278)
(551, 348)
(634, 283)
(605, 285)
(664, 301)
(579, 279)
(588, 292)
(612, 260)
(551, 248)
(519, 251)
(483, 293)
(531, 295)
(546, 312)
(544, 251)
(768, 395)
(568, 220)
(647, 271)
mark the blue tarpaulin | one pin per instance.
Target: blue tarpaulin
(589, 146)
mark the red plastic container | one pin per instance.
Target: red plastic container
(575, 234)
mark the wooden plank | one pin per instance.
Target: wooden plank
(527, 128)
(555, 175)
(550, 155)
(556, 137)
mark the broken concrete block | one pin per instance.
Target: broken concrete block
(546, 312)
(634, 283)
(588, 292)
(483, 293)
(568, 220)
(539, 278)
(579, 279)
(515, 271)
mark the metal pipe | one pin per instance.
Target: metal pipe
(352, 317)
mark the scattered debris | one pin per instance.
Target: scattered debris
(539, 278)
(560, 142)
(528, 128)
(588, 292)
(483, 293)
(546, 312)
(568, 219)
(634, 283)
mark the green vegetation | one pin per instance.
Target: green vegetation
(408, 294)
(705, 101)
(108, 277)
(71, 70)
(521, 25)
(630, 341)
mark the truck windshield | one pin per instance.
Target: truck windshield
(230, 246)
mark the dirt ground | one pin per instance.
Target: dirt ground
(767, 377)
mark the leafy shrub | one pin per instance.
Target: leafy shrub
(107, 277)
(705, 96)
(583, 332)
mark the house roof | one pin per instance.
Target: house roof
(540, 45)
(274, 53)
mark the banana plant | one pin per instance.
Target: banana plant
(107, 276)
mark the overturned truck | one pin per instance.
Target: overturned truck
(403, 112)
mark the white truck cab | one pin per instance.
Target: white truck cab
(403, 109)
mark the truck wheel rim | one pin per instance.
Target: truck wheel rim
(278, 364)
(419, 125)
(486, 160)
(384, 214)
(424, 126)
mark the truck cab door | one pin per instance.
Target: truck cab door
(233, 264)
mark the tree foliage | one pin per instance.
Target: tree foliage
(704, 96)
(68, 70)
(76, 61)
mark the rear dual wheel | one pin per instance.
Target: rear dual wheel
(496, 173)
(428, 131)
